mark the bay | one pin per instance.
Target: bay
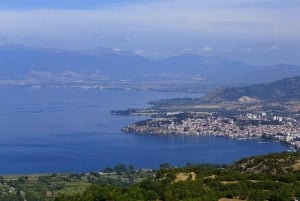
(48, 130)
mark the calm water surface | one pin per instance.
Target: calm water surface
(71, 130)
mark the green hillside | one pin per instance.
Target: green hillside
(274, 177)
(282, 90)
(271, 177)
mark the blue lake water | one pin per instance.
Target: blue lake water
(71, 130)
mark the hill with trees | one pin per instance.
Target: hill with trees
(274, 177)
(283, 90)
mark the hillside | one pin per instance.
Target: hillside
(207, 182)
(272, 177)
(282, 90)
(278, 163)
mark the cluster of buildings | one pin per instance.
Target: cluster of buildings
(241, 126)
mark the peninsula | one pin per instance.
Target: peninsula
(262, 112)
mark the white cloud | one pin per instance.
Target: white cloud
(273, 48)
(206, 49)
(140, 52)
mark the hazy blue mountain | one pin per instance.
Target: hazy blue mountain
(208, 68)
(119, 65)
(19, 60)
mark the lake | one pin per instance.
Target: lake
(46, 130)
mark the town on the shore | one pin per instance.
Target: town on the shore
(257, 126)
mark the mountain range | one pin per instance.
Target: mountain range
(124, 65)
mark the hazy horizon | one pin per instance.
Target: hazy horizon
(252, 31)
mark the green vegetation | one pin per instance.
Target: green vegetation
(280, 97)
(48, 187)
(283, 90)
(274, 177)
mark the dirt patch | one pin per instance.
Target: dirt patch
(229, 182)
(182, 176)
(210, 177)
(296, 166)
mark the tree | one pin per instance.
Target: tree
(131, 169)
(2, 179)
(108, 170)
(165, 165)
(150, 196)
(120, 168)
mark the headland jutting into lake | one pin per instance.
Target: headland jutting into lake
(261, 112)
(247, 126)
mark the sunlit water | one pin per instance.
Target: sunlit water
(71, 130)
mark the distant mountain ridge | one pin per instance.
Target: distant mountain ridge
(282, 90)
(121, 65)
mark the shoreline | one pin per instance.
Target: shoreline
(248, 126)
(290, 147)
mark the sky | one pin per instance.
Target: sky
(253, 31)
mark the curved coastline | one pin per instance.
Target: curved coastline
(208, 125)
(290, 147)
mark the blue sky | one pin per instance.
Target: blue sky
(60, 4)
(255, 31)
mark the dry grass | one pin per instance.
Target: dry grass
(210, 177)
(229, 182)
(296, 166)
(182, 176)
